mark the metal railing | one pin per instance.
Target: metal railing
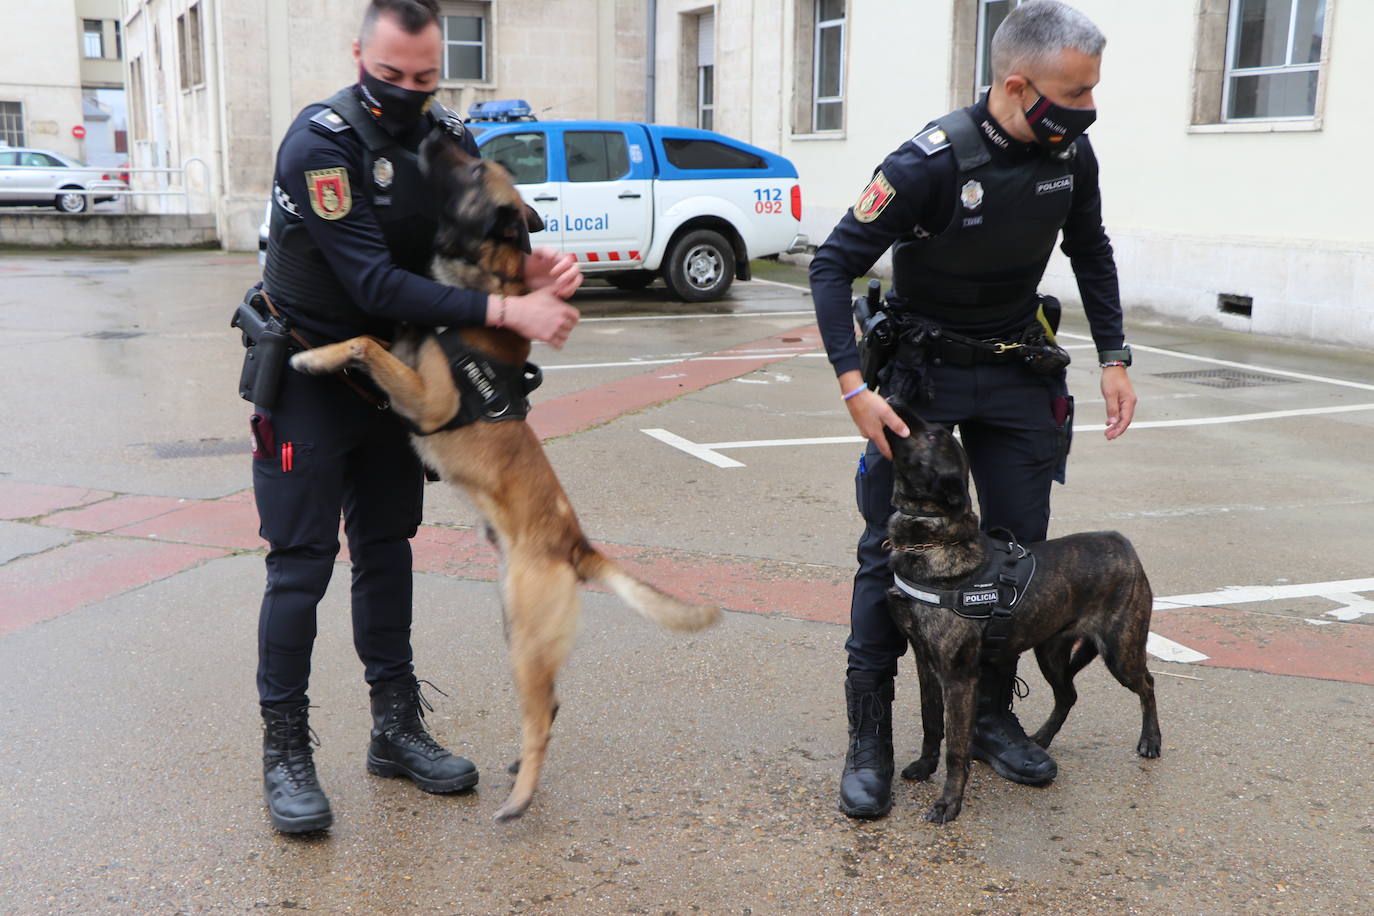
(86, 175)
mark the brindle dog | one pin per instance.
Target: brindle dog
(1089, 591)
(502, 465)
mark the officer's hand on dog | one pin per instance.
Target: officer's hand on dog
(872, 414)
(546, 268)
(1120, 397)
(538, 315)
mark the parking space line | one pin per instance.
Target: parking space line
(1232, 364)
(702, 449)
(793, 313)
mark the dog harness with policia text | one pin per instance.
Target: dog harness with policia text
(489, 390)
(990, 595)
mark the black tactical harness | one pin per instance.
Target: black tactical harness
(990, 594)
(489, 389)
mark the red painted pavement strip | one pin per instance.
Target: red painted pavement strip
(1271, 643)
(114, 513)
(25, 500)
(50, 584)
(581, 410)
(219, 523)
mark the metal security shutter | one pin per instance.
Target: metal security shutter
(706, 40)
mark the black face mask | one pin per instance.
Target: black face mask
(1054, 125)
(396, 109)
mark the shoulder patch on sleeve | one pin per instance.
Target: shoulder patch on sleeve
(931, 140)
(329, 119)
(330, 196)
(875, 198)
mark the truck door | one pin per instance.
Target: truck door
(525, 154)
(607, 195)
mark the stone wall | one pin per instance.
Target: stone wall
(108, 230)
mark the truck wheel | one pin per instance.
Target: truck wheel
(631, 279)
(70, 201)
(700, 267)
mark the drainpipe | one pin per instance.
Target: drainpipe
(651, 64)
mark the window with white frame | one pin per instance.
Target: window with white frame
(11, 123)
(93, 38)
(828, 66)
(1273, 59)
(706, 71)
(466, 41)
(990, 16)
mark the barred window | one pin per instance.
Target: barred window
(11, 123)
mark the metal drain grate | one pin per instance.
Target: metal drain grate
(1223, 378)
(205, 448)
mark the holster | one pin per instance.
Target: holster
(878, 336)
(267, 347)
(1039, 347)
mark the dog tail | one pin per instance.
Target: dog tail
(594, 566)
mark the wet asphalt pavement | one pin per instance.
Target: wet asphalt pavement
(687, 773)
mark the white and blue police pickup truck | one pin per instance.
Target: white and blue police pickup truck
(638, 201)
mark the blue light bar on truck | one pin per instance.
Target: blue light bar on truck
(504, 110)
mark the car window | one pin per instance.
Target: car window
(596, 155)
(42, 160)
(9, 158)
(524, 155)
(708, 154)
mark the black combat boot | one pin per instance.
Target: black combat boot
(999, 740)
(866, 784)
(293, 794)
(402, 746)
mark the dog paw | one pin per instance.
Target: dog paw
(942, 812)
(1042, 739)
(303, 362)
(1148, 746)
(919, 770)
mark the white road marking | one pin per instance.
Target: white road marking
(790, 313)
(1170, 651)
(1337, 591)
(692, 448)
(751, 381)
(1300, 376)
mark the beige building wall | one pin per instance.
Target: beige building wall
(105, 72)
(267, 59)
(1267, 210)
(40, 67)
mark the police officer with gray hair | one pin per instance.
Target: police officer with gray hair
(349, 251)
(972, 207)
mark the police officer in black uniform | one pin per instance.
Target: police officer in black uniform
(972, 207)
(352, 237)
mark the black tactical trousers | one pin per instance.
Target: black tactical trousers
(333, 453)
(1005, 417)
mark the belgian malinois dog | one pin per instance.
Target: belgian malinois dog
(501, 465)
(1089, 590)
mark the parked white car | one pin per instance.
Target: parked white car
(39, 177)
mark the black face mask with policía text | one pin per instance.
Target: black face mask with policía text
(1055, 126)
(395, 108)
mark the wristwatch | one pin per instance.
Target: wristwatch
(1120, 357)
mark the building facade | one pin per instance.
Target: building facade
(62, 80)
(219, 81)
(1231, 133)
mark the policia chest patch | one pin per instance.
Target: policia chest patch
(330, 196)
